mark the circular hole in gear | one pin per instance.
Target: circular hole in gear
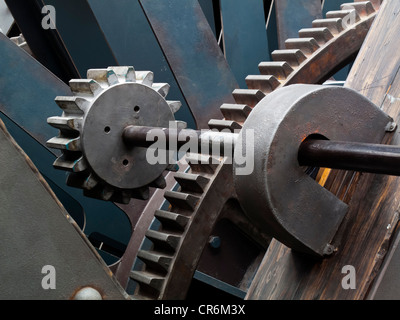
(136, 108)
(125, 162)
(107, 129)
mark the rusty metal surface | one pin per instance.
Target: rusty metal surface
(278, 195)
(194, 209)
(197, 62)
(126, 263)
(36, 231)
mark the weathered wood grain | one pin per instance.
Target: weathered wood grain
(365, 234)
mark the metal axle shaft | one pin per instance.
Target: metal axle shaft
(206, 140)
(363, 157)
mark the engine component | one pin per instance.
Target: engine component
(283, 139)
(91, 127)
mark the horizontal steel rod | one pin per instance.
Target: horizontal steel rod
(206, 141)
(363, 157)
(353, 156)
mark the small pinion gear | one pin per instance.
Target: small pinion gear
(91, 128)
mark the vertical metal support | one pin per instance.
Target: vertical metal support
(292, 15)
(192, 52)
(46, 45)
(81, 35)
(245, 37)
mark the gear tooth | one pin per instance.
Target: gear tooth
(335, 25)
(162, 88)
(172, 220)
(307, 45)
(75, 165)
(124, 73)
(99, 75)
(81, 180)
(293, 56)
(163, 240)
(130, 74)
(174, 105)
(174, 167)
(159, 182)
(280, 69)
(142, 193)
(155, 260)
(264, 83)
(145, 77)
(220, 125)
(321, 35)
(126, 196)
(99, 192)
(191, 182)
(76, 179)
(151, 282)
(102, 192)
(363, 8)
(65, 123)
(121, 196)
(202, 163)
(107, 192)
(112, 77)
(72, 105)
(86, 87)
(181, 200)
(90, 182)
(248, 96)
(236, 112)
(63, 143)
(343, 14)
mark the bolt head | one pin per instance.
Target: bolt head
(88, 293)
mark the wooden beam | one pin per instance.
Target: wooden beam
(364, 237)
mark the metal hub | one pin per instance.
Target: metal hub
(106, 153)
(278, 195)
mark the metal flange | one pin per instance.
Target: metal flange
(278, 195)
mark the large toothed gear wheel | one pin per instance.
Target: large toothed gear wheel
(91, 127)
(206, 190)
